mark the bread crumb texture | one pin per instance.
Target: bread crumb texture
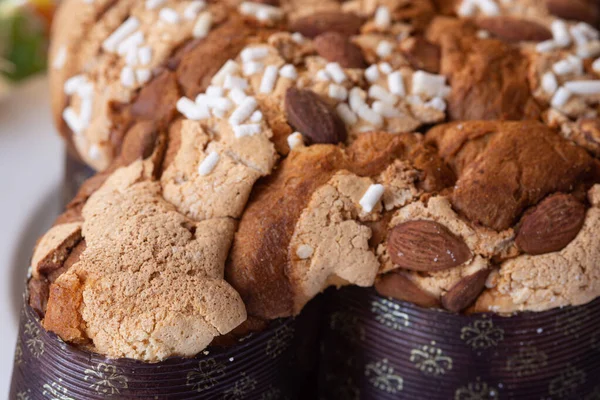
(150, 283)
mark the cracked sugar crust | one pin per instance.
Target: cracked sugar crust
(339, 244)
(110, 90)
(279, 259)
(221, 193)
(149, 283)
(541, 282)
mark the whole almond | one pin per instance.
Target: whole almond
(551, 225)
(335, 47)
(465, 291)
(578, 10)
(313, 118)
(397, 285)
(313, 25)
(426, 246)
(421, 54)
(514, 29)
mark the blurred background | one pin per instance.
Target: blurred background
(31, 157)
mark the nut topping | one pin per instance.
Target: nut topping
(552, 224)
(336, 47)
(311, 116)
(426, 246)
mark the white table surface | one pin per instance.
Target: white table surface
(31, 168)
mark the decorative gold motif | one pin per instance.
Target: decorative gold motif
(206, 375)
(347, 325)
(19, 352)
(389, 314)
(55, 391)
(105, 379)
(476, 391)
(566, 384)
(241, 389)
(571, 320)
(482, 334)
(23, 395)
(281, 340)
(33, 341)
(431, 360)
(381, 375)
(527, 362)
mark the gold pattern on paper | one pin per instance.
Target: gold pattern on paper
(347, 325)
(34, 344)
(566, 384)
(19, 352)
(55, 391)
(482, 334)
(206, 375)
(476, 391)
(105, 379)
(23, 395)
(431, 360)
(381, 375)
(389, 314)
(281, 340)
(570, 321)
(527, 362)
(241, 389)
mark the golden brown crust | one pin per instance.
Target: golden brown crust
(260, 255)
(504, 167)
(488, 77)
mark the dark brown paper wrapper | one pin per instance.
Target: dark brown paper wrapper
(274, 364)
(76, 172)
(378, 348)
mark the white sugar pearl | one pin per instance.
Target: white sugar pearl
(396, 83)
(269, 79)
(336, 72)
(371, 197)
(168, 15)
(383, 18)
(295, 140)
(372, 73)
(346, 114)
(120, 34)
(304, 251)
(549, 83)
(192, 10)
(208, 164)
(154, 4)
(202, 25)
(337, 92)
(288, 71)
(561, 96)
(384, 48)
(244, 111)
(246, 130)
